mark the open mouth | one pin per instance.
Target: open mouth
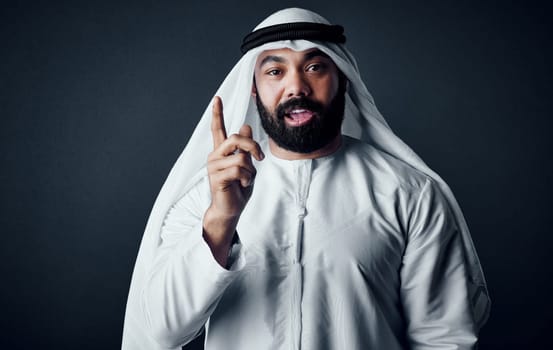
(299, 117)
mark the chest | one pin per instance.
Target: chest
(320, 218)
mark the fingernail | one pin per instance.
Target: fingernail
(262, 155)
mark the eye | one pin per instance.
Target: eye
(273, 72)
(315, 67)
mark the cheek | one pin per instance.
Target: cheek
(269, 96)
(328, 88)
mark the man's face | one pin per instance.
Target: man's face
(300, 97)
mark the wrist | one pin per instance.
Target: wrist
(218, 232)
(220, 226)
(222, 217)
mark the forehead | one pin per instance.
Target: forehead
(286, 55)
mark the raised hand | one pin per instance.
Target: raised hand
(231, 176)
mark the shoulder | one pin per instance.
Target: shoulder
(384, 170)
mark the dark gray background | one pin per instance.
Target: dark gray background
(98, 98)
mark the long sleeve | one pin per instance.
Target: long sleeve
(434, 277)
(186, 282)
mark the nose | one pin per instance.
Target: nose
(297, 85)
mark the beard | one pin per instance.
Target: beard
(325, 125)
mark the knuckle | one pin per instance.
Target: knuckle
(211, 160)
(234, 138)
(242, 157)
(249, 142)
(235, 171)
(211, 168)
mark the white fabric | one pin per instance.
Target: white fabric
(385, 271)
(363, 122)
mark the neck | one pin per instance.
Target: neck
(328, 149)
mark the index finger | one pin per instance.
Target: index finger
(218, 123)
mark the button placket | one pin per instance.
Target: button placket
(302, 170)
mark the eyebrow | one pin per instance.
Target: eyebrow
(279, 59)
(272, 58)
(315, 53)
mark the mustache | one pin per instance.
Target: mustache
(300, 102)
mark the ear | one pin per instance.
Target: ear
(254, 88)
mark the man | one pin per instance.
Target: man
(290, 234)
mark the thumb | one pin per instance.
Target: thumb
(246, 131)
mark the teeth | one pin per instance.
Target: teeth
(298, 111)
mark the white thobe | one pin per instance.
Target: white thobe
(356, 250)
